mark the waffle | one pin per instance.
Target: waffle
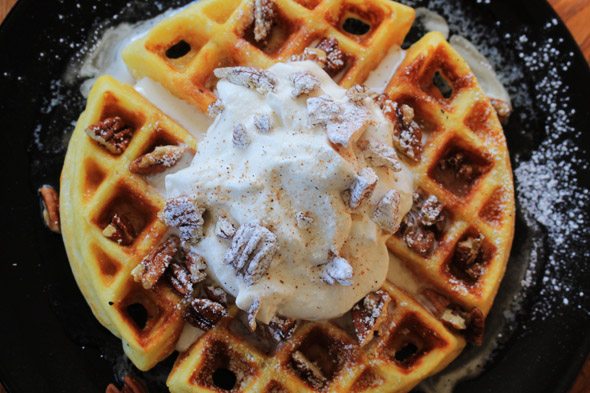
(462, 171)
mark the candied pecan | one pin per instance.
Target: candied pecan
(323, 109)
(264, 14)
(338, 270)
(204, 313)
(386, 214)
(252, 312)
(369, 314)
(303, 83)
(334, 55)
(457, 163)
(131, 384)
(263, 123)
(251, 251)
(216, 294)
(476, 323)
(357, 93)
(216, 107)
(50, 204)
(224, 229)
(342, 122)
(502, 108)
(162, 158)
(308, 370)
(253, 78)
(112, 133)
(362, 188)
(187, 270)
(185, 214)
(438, 301)
(304, 220)
(312, 54)
(467, 251)
(153, 266)
(282, 328)
(419, 239)
(379, 154)
(120, 230)
(240, 137)
(452, 319)
(407, 135)
(430, 212)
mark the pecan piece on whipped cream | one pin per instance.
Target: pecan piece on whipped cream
(264, 14)
(312, 54)
(185, 214)
(263, 123)
(338, 270)
(323, 109)
(50, 208)
(131, 384)
(253, 78)
(153, 266)
(386, 214)
(303, 83)
(162, 158)
(361, 189)
(334, 55)
(303, 220)
(407, 135)
(252, 312)
(185, 271)
(215, 108)
(240, 137)
(379, 154)
(112, 133)
(224, 229)
(120, 230)
(281, 328)
(251, 251)
(369, 314)
(308, 370)
(204, 313)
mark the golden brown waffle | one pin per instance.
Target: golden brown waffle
(413, 343)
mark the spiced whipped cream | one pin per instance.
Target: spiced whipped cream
(300, 187)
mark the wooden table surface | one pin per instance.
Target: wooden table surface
(576, 14)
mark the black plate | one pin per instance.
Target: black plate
(50, 341)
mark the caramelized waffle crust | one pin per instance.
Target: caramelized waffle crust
(109, 213)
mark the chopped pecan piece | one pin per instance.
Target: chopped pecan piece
(334, 55)
(131, 384)
(120, 230)
(430, 212)
(50, 205)
(379, 154)
(407, 135)
(204, 313)
(215, 108)
(452, 319)
(263, 123)
(251, 251)
(502, 108)
(252, 312)
(311, 54)
(438, 301)
(281, 328)
(162, 158)
(369, 314)
(308, 370)
(253, 78)
(303, 83)
(186, 271)
(240, 137)
(386, 214)
(357, 93)
(217, 294)
(362, 188)
(185, 214)
(264, 14)
(419, 239)
(458, 164)
(112, 133)
(467, 251)
(153, 266)
(337, 270)
(224, 229)
(323, 109)
(304, 220)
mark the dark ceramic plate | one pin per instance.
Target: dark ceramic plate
(50, 341)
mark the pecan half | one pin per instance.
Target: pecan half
(308, 370)
(185, 271)
(240, 137)
(153, 266)
(303, 83)
(112, 133)
(476, 323)
(379, 154)
(502, 108)
(251, 251)
(263, 123)
(312, 54)
(407, 135)
(162, 158)
(386, 215)
(252, 312)
(263, 18)
(185, 214)
(281, 328)
(50, 208)
(338, 270)
(204, 313)
(215, 108)
(361, 189)
(253, 78)
(131, 384)
(369, 314)
(120, 230)
(335, 58)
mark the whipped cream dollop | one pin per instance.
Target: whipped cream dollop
(266, 163)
